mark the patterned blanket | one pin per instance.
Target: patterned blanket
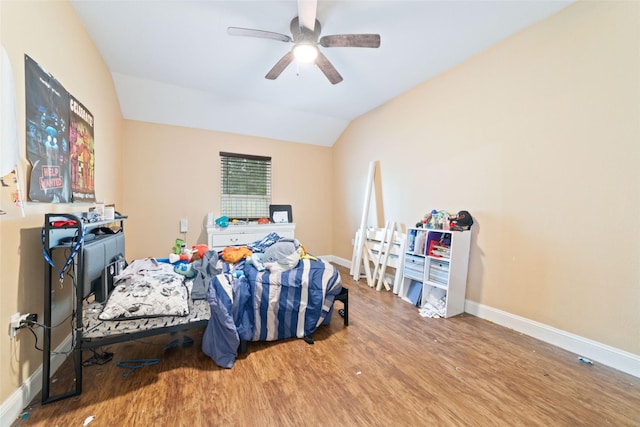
(147, 288)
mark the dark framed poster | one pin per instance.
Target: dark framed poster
(60, 144)
(47, 115)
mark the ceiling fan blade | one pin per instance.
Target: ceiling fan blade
(351, 40)
(247, 32)
(328, 69)
(280, 66)
(307, 13)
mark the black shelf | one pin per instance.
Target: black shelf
(52, 233)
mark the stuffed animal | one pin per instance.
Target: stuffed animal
(198, 251)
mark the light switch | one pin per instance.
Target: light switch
(183, 226)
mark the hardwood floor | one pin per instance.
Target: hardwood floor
(388, 367)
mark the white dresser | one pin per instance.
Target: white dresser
(242, 234)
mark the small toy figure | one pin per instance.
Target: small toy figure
(426, 220)
(177, 247)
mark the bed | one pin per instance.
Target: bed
(243, 301)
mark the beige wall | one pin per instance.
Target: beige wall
(66, 51)
(538, 138)
(172, 173)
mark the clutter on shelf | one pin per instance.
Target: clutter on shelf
(443, 220)
(224, 221)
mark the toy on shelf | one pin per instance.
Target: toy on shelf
(435, 220)
(442, 220)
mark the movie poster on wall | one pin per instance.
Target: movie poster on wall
(47, 117)
(82, 152)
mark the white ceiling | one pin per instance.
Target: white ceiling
(174, 63)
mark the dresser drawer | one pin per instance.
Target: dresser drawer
(235, 239)
(240, 235)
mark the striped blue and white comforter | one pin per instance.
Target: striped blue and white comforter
(292, 303)
(268, 306)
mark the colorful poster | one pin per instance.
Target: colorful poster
(82, 160)
(47, 116)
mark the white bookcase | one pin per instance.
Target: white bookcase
(435, 269)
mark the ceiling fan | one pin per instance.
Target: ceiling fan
(305, 36)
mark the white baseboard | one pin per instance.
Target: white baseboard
(20, 399)
(583, 347)
(337, 260)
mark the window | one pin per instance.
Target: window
(246, 186)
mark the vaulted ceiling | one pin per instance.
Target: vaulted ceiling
(173, 62)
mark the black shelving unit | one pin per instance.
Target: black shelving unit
(58, 229)
(55, 237)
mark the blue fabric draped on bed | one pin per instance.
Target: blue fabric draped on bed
(268, 306)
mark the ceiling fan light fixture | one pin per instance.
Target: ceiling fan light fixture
(305, 52)
(305, 36)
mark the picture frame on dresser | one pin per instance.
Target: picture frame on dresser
(280, 214)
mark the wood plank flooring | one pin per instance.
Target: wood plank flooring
(388, 367)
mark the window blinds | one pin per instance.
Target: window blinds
(246, 185)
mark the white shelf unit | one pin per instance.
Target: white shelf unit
(435, 269)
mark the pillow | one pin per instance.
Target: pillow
(152, 293)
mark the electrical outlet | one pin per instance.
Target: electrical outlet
(183, 225)
(15, 324)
